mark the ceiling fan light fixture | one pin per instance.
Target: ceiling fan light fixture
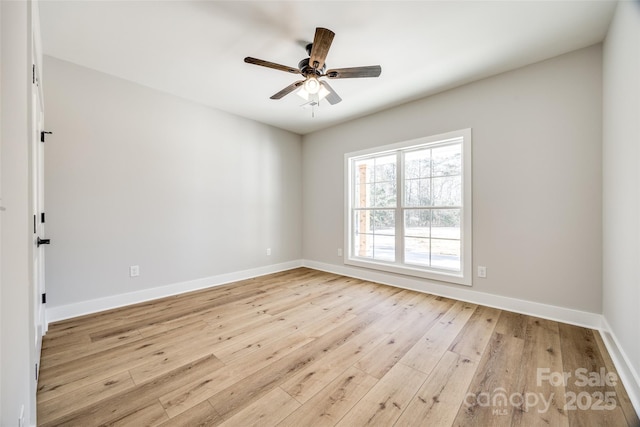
(303, 93)
(312, 85)
(322, 92)
(317, 96)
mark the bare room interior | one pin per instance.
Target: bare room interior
(308, 213)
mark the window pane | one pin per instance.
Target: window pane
(384, 194)
(362, 195)
(385, 168)
(445, 223)
(363, 245)
(384, 248)
(447, 191)
(384, 222)
(447, 160)
(445, 254)
(416, 251)
(374, 182)
(417, 222)
(417, 164)
(417, 192)
(363, 236)
(363, 171)
(362, 222)
(374, 235)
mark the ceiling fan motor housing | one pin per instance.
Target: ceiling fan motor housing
(308, 70)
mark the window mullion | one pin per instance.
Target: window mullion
(431, 206)
(399, 207)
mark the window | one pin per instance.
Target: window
(408, 207)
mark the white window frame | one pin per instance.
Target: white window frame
(464, 277)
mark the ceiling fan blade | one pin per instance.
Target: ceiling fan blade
(321, 44)
(287, 90)
(333, 98)
(354, 72)
(250, 60)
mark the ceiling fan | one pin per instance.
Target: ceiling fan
(314, 67)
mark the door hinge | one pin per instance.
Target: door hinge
(36, 372)
(34, 224)
(43, 133)
(33, 73)
(42, 217)
(44, 298)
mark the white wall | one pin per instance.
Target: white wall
(16, 322)
(621, 184)
(139, 177)
(536, 176)
(1, 221)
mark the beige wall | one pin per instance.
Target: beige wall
(536, 176)
(138, 177)
(621, 184)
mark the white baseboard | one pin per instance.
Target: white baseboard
(68, 311)
(627, 373)
(546, 311)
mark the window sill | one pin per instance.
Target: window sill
(440, 275)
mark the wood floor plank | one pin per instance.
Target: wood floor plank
(142, 399)
(70, 376)
(173, 313)
(475, 335)
(75, 350)
(331, 403)
(512, 324)
(541, 356)
(201, 415)
(580, 351)
(386, 354)
(404, 324)
(269, 410)
(240, 394)
(52, 409)
(304, 347)
(438, 400)
(496, 376)
(174, 358)
(314, 377)
(150, 415)
(426, 353)
(184, 398)
(283, 324)
(386, 400)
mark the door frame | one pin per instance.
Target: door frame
(36, 196)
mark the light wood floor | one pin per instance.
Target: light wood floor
(303, 348)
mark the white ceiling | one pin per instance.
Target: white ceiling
(195, 49)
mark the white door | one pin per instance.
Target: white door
(37, 201)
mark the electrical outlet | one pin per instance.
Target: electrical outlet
(339, 251)
(482, 271)
(134, 271)
(269, 251)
